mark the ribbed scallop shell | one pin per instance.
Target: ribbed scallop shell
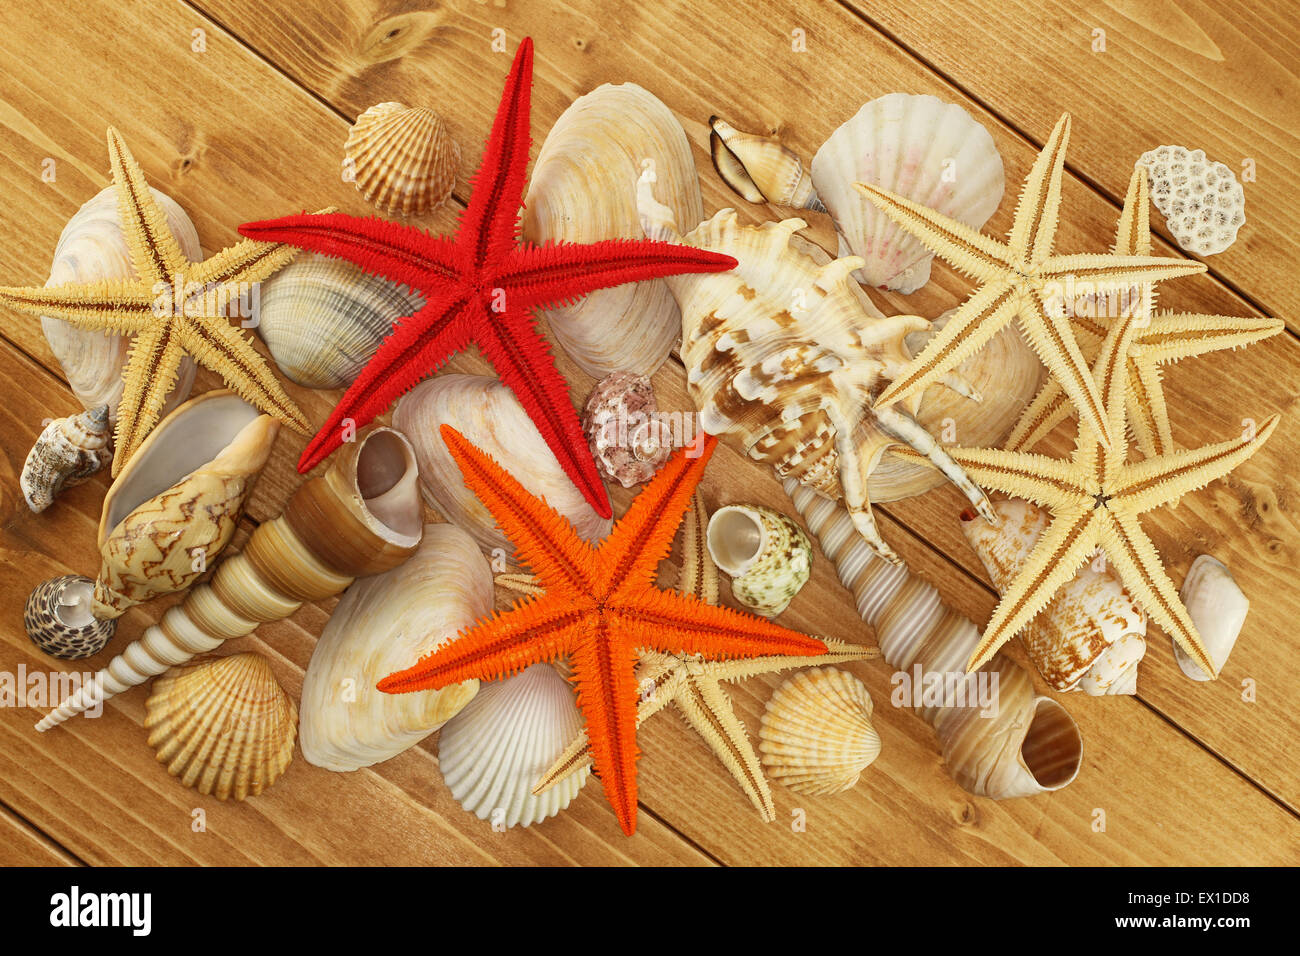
(916, 146)
(496, 749)
(323, 319)
(403, 158)
(225, 727)
(67, 452)
(816, 736)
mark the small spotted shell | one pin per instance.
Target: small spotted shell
(402, 158)
(767, 555)
(816, 736)
(59, 620)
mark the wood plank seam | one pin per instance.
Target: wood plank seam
(41, 833)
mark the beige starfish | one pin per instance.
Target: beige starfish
(172, 307)
(1167, 338)
(1019, 279)
(1095, 498)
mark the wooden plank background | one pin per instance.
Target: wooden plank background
(252, 126)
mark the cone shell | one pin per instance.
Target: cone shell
(489, 415)
(767, 555)
(403, 158)
(323, 319)
(225, 727)
(921, 148)
(67, 452)
(382, 624)
(174, 506)
(816, 736)
(92, 247)
(59, 622)
(495, 750)
(1217, 607)
(581, 190)
(760, 168)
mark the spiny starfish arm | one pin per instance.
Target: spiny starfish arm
(1048, 333)
(491, 218)
(1107, 272)
(1133, 233)
(630, 556)
(741, 668)
(1049, 408)
(680, 624)
(152, 365)
(706, 708)
(1109, 374)
(221, 348)
(415, 348)
(399, 253)
(514, 345)
(1049, 482)
(699, 574)
(155, 253)
(244, 264)
(1067, 545)
(1147, 414)
(1158, 481)
(607, 691)
(965, 249)
(967, 331)
(1039, 205)
(543, 539)
(559, 273)
(1134, 558)
(116, 306)
(1173, 336)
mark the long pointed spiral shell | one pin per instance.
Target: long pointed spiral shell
(361, 517)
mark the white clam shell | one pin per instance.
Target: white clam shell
(918, 147)
(385, 623)
(1217, 607)
(816, 735)
(495, 750)
(93, 247)
(767, 556)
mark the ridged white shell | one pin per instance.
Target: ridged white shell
(496, 749)
(816, 736)
(488, 414)
(322, 318)
(92, 247)
(1217, 607)
(916, 146)
(224, 726)
(402, 158)
(582, 190)
(385, 623)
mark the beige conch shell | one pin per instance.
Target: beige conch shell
(766, 555)
(580, 190)
(785, 363)
(362, 516)
(999, 739)
(67, 452)
(402, 158)
(225, 727)
(174, 507)
(489, 415)
(93, 247)
(1092, 635)
(381, 624)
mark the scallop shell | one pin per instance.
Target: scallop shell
(494, 750)
(627, 437)
(916, 146)
(1202, 202)
(489, 415)
(816, 736)
(402, 158)
(767, 556)
(92, 247)
(381, 624)
(66, 453)
(760, 168)
(59, 620)
(225, 727)
(322, 319)
(581, 190)
(1217, 607)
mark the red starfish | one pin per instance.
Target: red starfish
(600, 607)
(481, 287)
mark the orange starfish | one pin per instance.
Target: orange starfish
(601, 606)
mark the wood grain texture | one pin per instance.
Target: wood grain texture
(238, 138)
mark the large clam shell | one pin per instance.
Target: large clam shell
(402, 158)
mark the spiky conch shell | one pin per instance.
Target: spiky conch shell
(1027, 745)
(322, 318)
(93, 247)
(402, 158)
(1218, 608)
(1092, 635)
(362, 516)
(816, 735)
(580, 191)
(381, 624)
(58, 620)
(173, 508)
(225, 727)
(915, 146)
(493, 752)
(488, 414)
(67, 452)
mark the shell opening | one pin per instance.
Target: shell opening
(1053, 748)
(73, 604)
(386, 473)
(735, 539)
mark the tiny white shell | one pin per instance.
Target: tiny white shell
(1217, 607)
